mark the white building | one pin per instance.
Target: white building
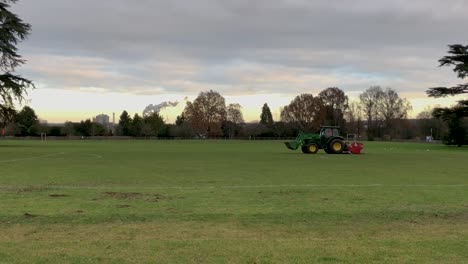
(102, 119)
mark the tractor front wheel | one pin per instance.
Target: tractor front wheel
(305, 150)
(312, 148)
(336, 146)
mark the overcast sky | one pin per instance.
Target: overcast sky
(91, 56)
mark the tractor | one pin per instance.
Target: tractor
(328, 139)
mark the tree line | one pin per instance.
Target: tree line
(379, 113)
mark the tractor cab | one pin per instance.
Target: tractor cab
(327, 132)
(330, 139)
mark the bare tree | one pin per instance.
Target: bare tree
(336, 103)
(392, 108)
(234, 113)
(354, 115)
(232, 126)
(382, 108)
(207, 113)
(370, 104)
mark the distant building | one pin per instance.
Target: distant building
(102, 119)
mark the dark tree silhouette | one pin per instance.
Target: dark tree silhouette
(153, 124)
(27, 121)
(125, 123)
(459, 59)
(266, 118)
(454, 116)
(136, 126)
(12, 87)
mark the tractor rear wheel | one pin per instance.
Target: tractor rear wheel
(336, 146)
(312, 148)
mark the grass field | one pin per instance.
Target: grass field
(231, 202)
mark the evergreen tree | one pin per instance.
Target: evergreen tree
(125, 123)
(266, 118)
(454, 116)
(27, 121)
(12, 87)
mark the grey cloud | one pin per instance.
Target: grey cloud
(232, 45)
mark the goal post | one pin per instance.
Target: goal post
(43, 136)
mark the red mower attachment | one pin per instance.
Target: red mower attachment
(354, 147)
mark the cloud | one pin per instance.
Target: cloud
(240, 47)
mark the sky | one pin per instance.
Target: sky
(89, 57)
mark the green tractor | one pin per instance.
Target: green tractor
(328, 139)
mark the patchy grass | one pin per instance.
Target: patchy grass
(230, 202)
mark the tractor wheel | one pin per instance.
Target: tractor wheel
(336, 146)
(305, 150)
(312, 148)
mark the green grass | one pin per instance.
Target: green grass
(231, 202)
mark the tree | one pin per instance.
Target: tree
(305, 112)
(84, 128)
(382, 108)
(234, 119)
(392, 108)
(98, 129)
(266, 118)
(429, 125)
(207, 113)
(369, 103)
(136, 127)
(459, 59)
(454, 116)
(124, 126)
(180, 120)
(54, 131)
(27, 122)
(336, 103)
(153, 124)
(68, 129)
(12, 87)
(354, 116)
(234, 113)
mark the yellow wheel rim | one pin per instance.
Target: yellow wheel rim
(312, 148)
(336, 146)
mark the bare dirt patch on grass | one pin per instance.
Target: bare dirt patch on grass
(134, 196)
(21, 190)
(58, 195)
(28, 215)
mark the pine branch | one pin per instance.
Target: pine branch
(444, 91)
